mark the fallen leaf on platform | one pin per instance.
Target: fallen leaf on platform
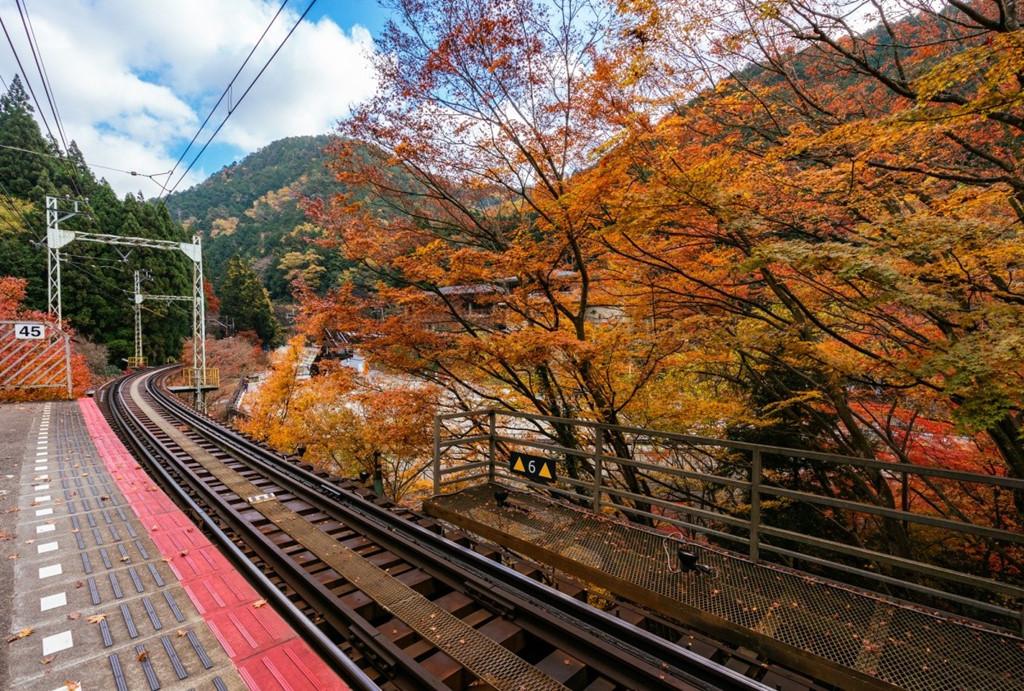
(74, 615)
(24, 633)
(142, 656)
(72, 685)
(259, 603)
(12, 556)
(79, 584)
(182, 633)
(96, 618)
(48, 659)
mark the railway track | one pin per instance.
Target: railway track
(388, 603)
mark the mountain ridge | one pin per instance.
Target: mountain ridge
(253, 209)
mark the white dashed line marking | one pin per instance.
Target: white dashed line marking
(41, 488)
(52, 570)
(42, 499)
(57, 642)
(44, 512)
(47, 547)
(52, 601)
(45, 528)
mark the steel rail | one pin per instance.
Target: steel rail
(550, 610)
(328, 650)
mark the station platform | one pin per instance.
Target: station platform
(112, 585)
(836, 634)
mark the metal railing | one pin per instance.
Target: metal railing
(894, 527)
(40, 360)
(209, 377)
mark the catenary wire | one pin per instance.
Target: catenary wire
(227, 90)
(246, 92)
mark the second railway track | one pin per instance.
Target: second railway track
(387, 602)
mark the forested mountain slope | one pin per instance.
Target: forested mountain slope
(253, 209)
(97, 279)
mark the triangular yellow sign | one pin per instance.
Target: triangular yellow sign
(519, 466)
(545, 471)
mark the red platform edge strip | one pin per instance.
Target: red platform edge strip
(264, 648)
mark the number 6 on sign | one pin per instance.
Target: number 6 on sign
(30, 330)
(537, 468)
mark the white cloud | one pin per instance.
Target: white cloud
(132, 79)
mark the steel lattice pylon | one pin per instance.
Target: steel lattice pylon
(139, 360)
(60, 209)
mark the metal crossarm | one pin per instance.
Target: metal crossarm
(60, 209)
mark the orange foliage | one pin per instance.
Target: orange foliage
(741, 216)
(12, 298)
(346, 423)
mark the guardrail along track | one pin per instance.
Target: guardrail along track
(386, 601)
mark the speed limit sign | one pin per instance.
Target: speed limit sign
(30, 330)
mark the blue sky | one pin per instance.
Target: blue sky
(365, 13)
(134, 80)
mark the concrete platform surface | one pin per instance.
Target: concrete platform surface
(95, 600)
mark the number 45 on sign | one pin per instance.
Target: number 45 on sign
(537, 468)
(29, 330)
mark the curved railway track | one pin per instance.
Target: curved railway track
(388, 603)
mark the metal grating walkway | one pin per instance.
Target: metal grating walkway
(823, 628)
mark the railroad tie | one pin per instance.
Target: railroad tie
(487, 659)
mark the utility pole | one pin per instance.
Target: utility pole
(199, 371)
(138, 360)
(60, 209)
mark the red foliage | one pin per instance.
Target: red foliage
(212, 301)
(12, 298)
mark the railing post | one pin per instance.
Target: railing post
(595, 490)
(491, 426)
(755, 505)
(67, 366)
(905, 498)
(437, 455)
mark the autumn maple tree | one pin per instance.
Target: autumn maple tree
(790, 222)
(346, 424)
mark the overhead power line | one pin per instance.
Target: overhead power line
(227, 90)
(37, 57)
(24, 75)
(245, 93)
(133, 173)
(9, 201)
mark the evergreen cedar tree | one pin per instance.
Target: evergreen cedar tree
(246, 301)
(96, 279)
(739, 218)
